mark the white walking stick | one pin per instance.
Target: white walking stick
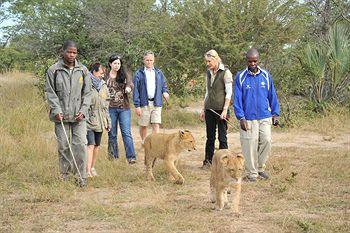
(71, 151)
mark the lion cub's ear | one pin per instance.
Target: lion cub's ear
(224, 160)
(181, 133)
(240, 157)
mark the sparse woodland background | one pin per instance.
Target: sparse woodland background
(304, 44)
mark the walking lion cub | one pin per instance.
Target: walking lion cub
(167, 147)
(226, 173)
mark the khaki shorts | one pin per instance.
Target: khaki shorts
(150, 114)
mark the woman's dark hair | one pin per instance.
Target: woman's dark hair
(95, 67)
(121, 74)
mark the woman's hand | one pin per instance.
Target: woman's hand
(224, 113)
(127, 89)
(202, 115)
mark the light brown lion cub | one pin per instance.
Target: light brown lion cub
(226, 173)
(167, 147)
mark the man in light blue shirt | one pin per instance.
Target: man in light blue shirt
(149, 90)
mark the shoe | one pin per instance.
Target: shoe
(132, 161)
(112, 158)
(63, 177)
(206, 166)
(263, 175)
(89, 174)
(93, 172)
(82, 183)
(250, 179)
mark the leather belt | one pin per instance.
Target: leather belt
(150, 99)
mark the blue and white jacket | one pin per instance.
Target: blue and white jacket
(255, 96)
(140, 96)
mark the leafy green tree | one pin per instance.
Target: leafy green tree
(179, 32)
(125, 27)
(230, 27)
(13, 59)
(42, 26)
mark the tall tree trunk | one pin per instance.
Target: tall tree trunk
(326, 18)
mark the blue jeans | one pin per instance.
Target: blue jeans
(123, 116)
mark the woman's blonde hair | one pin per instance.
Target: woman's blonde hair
(212, 53)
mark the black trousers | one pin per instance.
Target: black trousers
(212, 121)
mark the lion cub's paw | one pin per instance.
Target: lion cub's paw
(237, 214)
(180, 181)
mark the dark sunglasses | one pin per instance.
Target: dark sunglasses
(209, 55)
(115, 57)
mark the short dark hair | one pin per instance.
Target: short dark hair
(253, 52)
(69, 44)
(95, 67)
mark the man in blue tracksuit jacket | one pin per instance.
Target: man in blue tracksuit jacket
(149, 89)
(256, 107)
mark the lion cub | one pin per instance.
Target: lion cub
(167, 147)
(226, 172)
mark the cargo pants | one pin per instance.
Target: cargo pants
(256, 145)
(77, 135)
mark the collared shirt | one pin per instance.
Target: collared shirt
(151, 82)
(71, 70)
(257, 72)
(227, 79)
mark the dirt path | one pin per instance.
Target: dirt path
(194, 195)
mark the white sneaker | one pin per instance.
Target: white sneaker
(93, 172)
(89, 175)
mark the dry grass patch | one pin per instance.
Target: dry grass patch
(308, 190)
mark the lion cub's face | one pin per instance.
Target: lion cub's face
(187, 140)
(233, 165)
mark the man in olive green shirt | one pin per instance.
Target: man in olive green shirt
(68, 90)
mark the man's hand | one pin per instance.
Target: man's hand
(79, 116)
(166, 96)
(202, 115)
(275, 121)
(244, 124)
(59, 116)
(138, 111)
